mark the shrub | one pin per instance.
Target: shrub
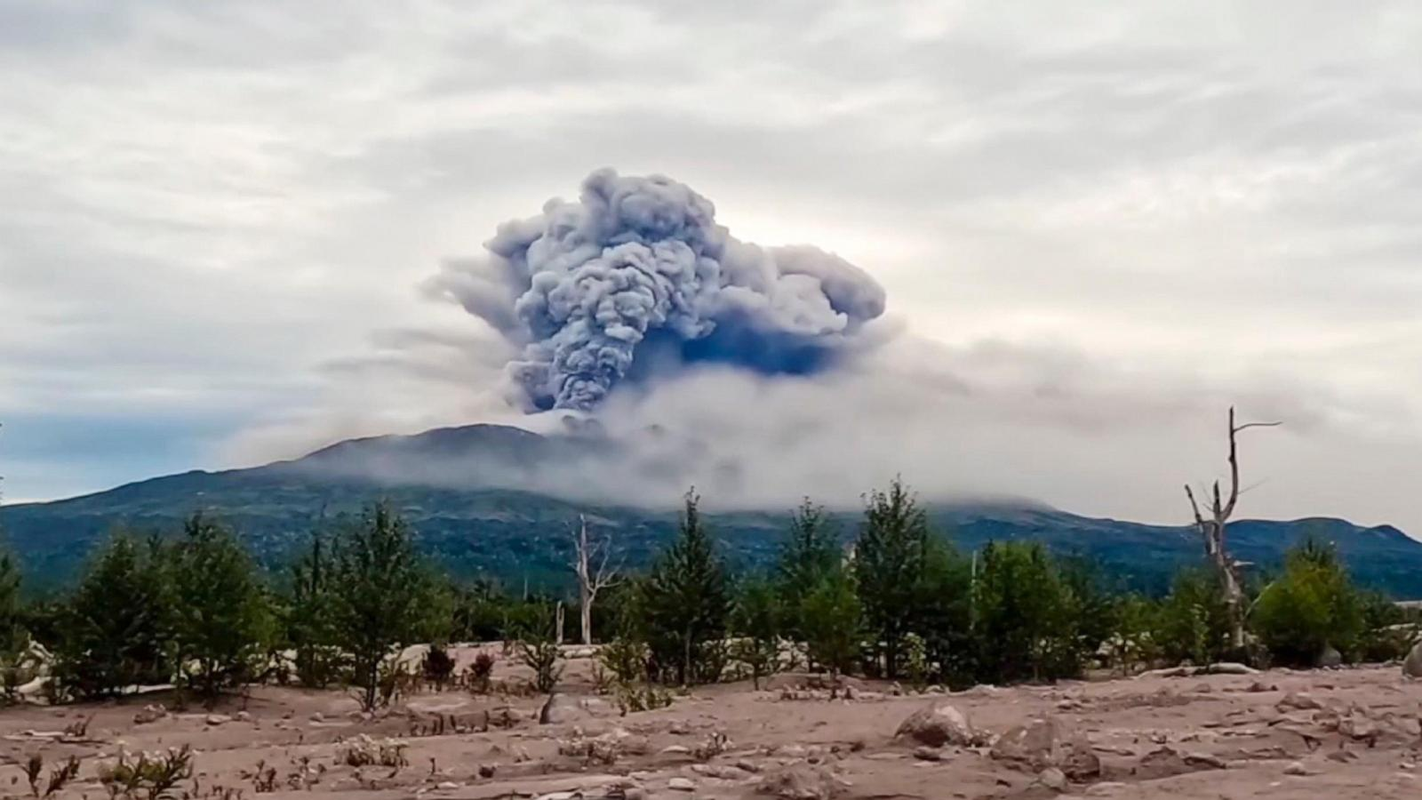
(479, 673)
(540, 652)
(1313, 605)
(1193, 621)
(437, 666)
(150, 777)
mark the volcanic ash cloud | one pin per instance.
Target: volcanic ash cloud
(636, 280)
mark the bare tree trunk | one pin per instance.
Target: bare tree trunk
(590, 581)
(1212, 531)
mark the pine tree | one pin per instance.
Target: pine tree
(113, 629)
(942, 612)
(1025, 625)
(809, 554)
(221, 615)
(686, 599)
(833, 628)
(756, 619)
(888, 562)
(309, 621)
(13, 637)
(379, 588)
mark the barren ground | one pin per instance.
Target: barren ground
(1218, 736)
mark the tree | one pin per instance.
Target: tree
(756, 622)
(1024, 625)
(591, 580)
(13, 637)
(1312, 606)
(810, 552)
(113, 629)
(310, 623)
(221, 616)
(888, 563)
(686, 599)
(379, 586)
(942, 612)
(831, 617)
(1212, 532)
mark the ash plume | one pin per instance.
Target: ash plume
(636, 280)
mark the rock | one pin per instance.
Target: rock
(1412, 665)
(1342, 756)
(317, 716)
(242, 716)
(560, 709)
(681, 785)
(1205, 760)
(1298, 701)
(488, 770)
(937, 724)
(149, 714)
(218, 719)
(928, 754)
(1328, 658)
(1297, 768)
(1048, 742)
(1053, 779)
(1104, 789)
(1260, 686)
(801, 782)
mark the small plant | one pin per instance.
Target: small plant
(916, 665)
(625, 658)
(633, 697)
(264, 778)
(79, 728)
(540, 653)
(363, 751)
(437, 666)
(150, 777)
(58, 776)
(478, 674)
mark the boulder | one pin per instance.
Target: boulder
(937, 724)
(1298, 701)
(1048, 742)
(801, 782)
(560, 709)
(1328, 658)
(1412, 666)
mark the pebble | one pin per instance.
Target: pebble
(681, 785)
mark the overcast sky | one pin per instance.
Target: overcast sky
(1096, 228)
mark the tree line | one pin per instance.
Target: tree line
(900, 602)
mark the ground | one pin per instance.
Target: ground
(1340, 734)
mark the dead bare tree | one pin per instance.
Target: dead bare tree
(1212, 530)
(590, 580)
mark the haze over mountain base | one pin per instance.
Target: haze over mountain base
(460, 487)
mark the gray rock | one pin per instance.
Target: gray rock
(1412, 666)
(1048, 742)
(938, 724)
(1329, 658)
(1053, 779)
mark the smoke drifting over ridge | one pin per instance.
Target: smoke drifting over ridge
(636, 280)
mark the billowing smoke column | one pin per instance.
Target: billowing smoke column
(636, 278)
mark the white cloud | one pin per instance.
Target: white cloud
(227, 209)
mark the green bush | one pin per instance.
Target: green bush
(1025, 616)
(1313, 605)
(1193, 620)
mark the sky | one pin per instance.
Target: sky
(1097, 228)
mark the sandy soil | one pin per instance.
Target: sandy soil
(1341, 734)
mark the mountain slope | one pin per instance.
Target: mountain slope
(515, 535)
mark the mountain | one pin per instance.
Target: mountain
(458, 486)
